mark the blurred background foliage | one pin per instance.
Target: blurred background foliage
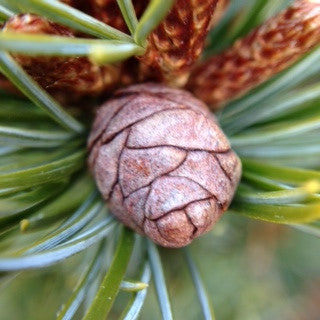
(252, 270)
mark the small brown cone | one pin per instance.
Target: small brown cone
(69, 80)
(107, 11)
(269, 49)
(221, 8)
(177, 42)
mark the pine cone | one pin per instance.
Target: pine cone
(177, 42)
(69, 80)
(220, 10)
(107, 11)
(160, 159)
(173, 47)
(269, 49)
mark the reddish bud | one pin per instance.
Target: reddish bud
(267, 50)
(69, 80)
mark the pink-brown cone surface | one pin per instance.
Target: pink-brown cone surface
(162, 162)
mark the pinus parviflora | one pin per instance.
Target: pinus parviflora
(255, 63)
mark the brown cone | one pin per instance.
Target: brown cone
(69, 80)
(107, 10)
(221, 8)
(177, 42)
(269, 49)
(173, 48)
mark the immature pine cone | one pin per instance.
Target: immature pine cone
(107, 11)
(68, 79)
(177, 42)
(163, 164)
(267, 50)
